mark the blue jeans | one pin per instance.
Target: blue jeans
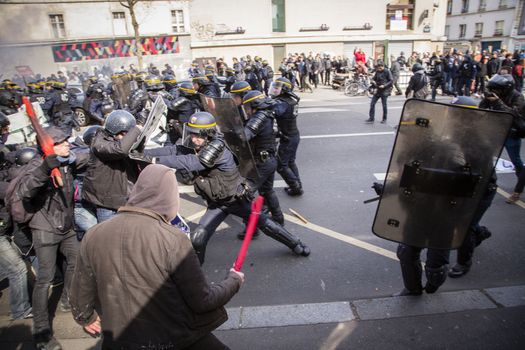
(104, 214)
(84, 219)
(375, 98)
(13, 267)
(513, 147)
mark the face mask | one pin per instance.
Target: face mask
(4, 137)
(67, 160)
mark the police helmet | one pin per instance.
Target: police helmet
(4, 121)
(501, 84)
(140, 76)
(417, 67)
(279, 86)
(202, 123)
(265, 63)
(153, 83)
(89, 134)
(230, 72)
(119, 121)
(209, 70)
(256, 100)
(169, 81)
(24, 155)
(464, 101)
(200, 79)
(8, 84)
(33, 86)
(240, 87)
(57, 84)
(186, 89)
(93, 79)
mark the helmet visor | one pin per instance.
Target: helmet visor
(275, 89)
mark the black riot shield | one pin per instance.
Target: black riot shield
(122, 88)
(230, 124)
(151, 128)
(440, 167)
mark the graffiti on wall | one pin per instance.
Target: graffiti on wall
(94, 50)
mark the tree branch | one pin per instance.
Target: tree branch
(122, 4)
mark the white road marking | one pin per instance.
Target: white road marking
(507, 195)
(347, 135)
(341, 237)
(190, 189)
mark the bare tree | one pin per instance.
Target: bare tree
(130, 5)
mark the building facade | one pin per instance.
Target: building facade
(485, 24)
(275, 28)
(44, 36)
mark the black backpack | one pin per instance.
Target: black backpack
(21, 210)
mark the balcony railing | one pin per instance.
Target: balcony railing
(498, 32)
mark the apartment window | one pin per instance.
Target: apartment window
(462, 30)
(502, 4)
(479, 29)
(400, 15)
(499, 28)
(119, 24)
(57, 25)
(464, 6)
(177, 21)
(447, 31)
(278, 16)
(482, 5)
(449, 7)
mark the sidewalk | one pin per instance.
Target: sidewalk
(469, 319)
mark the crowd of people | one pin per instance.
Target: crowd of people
(126, 198)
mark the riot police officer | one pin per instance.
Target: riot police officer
(260, 133)
(170, 85)
(36, 92)
(267, 75)
(252, 78)
(141, 103)
(95, 93)
(238, 90)
(219, 183)
(285, 112)
(58, 108)
(182, 108)
(202, 84)
(209, 72)
(230, 79)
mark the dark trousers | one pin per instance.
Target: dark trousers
(396, 84)
(521, 183)
(411, 269)
(466, 250)
(286, 166)
(464, 86)
(264, 184)
(302, 78)
(513, 147)
(47, 245)
(375, 98)
(327, 76)
(435, 84)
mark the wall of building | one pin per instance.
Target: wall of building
(488, 17)
(209, 17)
(27, 37)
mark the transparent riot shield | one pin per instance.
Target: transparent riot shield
(21, 131)
(152, 125)
(440, 167)
(122, 88)
(230, 124)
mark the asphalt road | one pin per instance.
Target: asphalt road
(339, 157)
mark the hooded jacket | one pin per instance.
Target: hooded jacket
(142, 276)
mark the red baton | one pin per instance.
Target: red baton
(250, 229)
(45, 141)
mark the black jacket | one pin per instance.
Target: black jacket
(383, 78)
(111, 174)
(513, 103)
(54, 207)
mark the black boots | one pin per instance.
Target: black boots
(295, 189)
